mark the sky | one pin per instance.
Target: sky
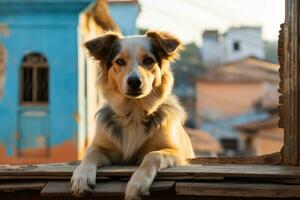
(187, 19)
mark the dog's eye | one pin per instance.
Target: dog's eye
(148, 61)
(120, 62)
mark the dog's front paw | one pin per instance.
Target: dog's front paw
(138, 185)
(83, 179)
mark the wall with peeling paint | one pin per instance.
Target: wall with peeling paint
(50, 28)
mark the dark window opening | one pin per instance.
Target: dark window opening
(236, 46)
(34, 79)
(230, 146)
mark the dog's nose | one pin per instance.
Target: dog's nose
(134, 82)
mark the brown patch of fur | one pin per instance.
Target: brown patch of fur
(167, 45)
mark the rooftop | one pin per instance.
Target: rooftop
(249, 69)
(270, 122)
(204, 142)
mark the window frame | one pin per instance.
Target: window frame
(236, 46)
(34, 66)
(289, 87)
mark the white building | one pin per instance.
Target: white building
(237, 43)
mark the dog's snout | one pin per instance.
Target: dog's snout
(134, 82)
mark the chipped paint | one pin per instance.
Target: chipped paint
(40, 141)
(76, 117)
(4, 30)
(64, 152)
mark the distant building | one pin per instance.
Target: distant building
(237, 43)
(229, 94)
(212, 50)
(43, 106)
(203, 143)
(261, 137)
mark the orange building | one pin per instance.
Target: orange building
(235, 88)
(236, 93)
(262, 137)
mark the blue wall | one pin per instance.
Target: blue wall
(125, 16)
(45, 28)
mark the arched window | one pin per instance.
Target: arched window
(34, 79)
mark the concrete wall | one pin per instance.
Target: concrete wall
(217, 49)
(212, 50)
(250, 42)
(219, 100)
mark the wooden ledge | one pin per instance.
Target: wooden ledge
(64, 171)
(52, 181)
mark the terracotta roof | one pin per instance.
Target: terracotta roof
(249, 69)
(261, 124)
(203, 141)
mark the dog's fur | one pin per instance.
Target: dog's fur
(144, 127)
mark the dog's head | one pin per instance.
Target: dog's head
(134, 65)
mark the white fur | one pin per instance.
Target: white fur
(138, 185)
(84, 177)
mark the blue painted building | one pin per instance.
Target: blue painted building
(39, 107)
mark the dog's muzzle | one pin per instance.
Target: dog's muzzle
(134, 85)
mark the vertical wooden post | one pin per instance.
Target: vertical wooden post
(290, 75)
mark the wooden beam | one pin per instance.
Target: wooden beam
(238, 190)
(291, 85)
(199, 172)
(102, 189)
(25, 185)
(269, 159)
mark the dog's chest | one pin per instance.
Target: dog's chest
(133, 137)
(130, 132)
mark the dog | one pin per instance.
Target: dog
(142, 121)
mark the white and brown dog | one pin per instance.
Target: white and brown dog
(142, 122)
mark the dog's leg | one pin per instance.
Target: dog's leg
(143, 177)
(84, 176)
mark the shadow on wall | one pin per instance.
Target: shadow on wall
(2, 68)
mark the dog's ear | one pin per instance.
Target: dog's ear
(166, 44)
(104, 48)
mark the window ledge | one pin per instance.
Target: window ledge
(247, 181)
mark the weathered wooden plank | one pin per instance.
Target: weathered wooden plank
(56, 188)
(15, 186)
(111, 188)
(179, 172)
(46, 177)
(291, 84)
(270, 159)
(238, 190)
